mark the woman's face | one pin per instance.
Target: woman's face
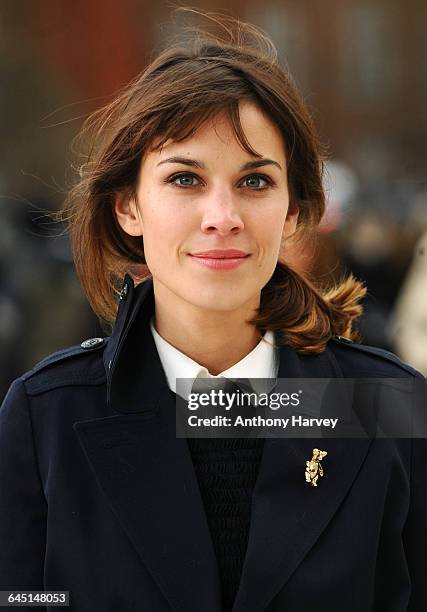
(212, 216)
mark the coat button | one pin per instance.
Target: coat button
(124, 291)
(344, 339)
(92, 342)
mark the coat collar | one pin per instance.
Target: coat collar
(131, 343)
(146, 472)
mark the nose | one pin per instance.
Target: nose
(221, 215)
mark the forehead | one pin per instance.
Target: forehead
(217, 135)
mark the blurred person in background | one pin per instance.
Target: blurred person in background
(202, 175)
(408, 324)
(369, 247)
(28, 325)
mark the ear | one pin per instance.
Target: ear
(291, 219)
(127, 214)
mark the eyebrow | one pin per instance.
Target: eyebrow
(186, 161)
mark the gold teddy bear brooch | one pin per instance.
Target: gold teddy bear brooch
(314, 468)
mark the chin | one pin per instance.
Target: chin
(219, 296)
(223, 299)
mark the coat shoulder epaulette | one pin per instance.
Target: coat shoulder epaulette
(381, 358)
(68, 367)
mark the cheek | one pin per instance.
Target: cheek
(269, 228)
(165, 230)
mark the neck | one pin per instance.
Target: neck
(214, 339)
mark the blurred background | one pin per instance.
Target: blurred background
(359, 66)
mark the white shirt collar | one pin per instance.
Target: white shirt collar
(261, 362)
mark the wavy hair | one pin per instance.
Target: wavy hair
(193, 80)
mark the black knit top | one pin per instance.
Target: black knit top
(226, 469)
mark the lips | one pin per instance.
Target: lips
(220, 254)
(220, 259)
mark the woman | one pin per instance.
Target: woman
(202, 174)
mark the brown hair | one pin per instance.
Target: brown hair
(182, 87)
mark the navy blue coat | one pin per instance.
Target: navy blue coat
(99, 497)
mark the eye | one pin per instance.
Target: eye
(185, 179)
(254, 182)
